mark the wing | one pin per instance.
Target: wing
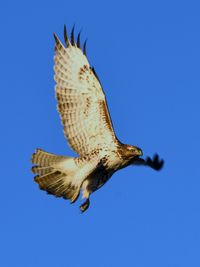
(81, 101)
(155, 163)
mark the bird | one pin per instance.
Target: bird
(87, 125)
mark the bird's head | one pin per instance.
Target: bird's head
(136, 151)
(131, 151)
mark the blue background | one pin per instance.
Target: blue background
(146, 54)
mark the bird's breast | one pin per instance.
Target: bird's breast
(112, 161)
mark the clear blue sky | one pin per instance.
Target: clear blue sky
(146, 54)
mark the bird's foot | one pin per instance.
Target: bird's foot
(85, 205)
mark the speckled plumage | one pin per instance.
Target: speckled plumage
(87, 126)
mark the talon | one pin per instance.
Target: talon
(85, 205)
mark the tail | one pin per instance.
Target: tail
(55, 174)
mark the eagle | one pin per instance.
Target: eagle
(83, 109)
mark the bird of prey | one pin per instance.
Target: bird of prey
(88, 128)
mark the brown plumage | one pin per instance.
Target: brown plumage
(88, 128)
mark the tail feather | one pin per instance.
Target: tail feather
(41, 170)
(54, 179)
(45, 159)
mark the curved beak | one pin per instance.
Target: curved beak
(139, 152)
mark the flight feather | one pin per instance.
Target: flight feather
(81, 101)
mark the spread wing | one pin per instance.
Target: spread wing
(81, 101)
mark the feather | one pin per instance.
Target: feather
(72, 36)
(78, 40)
(65, 36)
(84, 47)
(81, 101)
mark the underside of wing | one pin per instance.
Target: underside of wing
(81, 101)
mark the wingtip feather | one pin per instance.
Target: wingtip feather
(72, 36)
(66, 36)
(84, 47)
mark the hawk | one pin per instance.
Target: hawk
(87, 124)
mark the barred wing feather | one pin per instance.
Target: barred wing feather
(81, 101)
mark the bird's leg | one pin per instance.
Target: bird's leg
(85, 195)
(85, 205)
